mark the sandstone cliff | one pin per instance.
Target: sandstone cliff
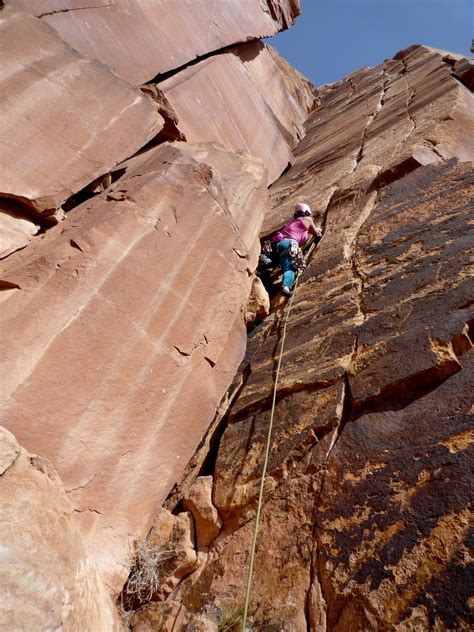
(130, 219)
(126, 263)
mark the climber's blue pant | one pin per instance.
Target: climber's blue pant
(285, 263)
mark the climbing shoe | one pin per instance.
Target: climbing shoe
(286, 291)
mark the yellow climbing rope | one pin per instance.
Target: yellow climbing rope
(265, 464)
(267, 454)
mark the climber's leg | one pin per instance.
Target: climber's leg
(286, 267)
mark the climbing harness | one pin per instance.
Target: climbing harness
(267, 454)
(270, 257)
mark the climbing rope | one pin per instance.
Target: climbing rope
(265, 464)
(267, 453)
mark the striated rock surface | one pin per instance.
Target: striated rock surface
(65, 120)
(124, 355)
(366, 505)
(145, 39)
(47, 580)
(241, 99)
(289, 95)
(376, 125)
(302, 90)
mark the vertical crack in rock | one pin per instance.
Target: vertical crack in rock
(411, 92)
(350, 255)
(371, 118)
(204, 459)
(316, 583)
(353, 90)
(345, 416)
(316, 588)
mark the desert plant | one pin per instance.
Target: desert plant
(148, 569)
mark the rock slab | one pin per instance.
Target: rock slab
(65, 120)
(145, 39)
(120, 342)
(243, 99)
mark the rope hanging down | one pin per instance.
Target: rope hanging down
(267, 454)
(265, 464)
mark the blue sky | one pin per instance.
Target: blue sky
(331, 38)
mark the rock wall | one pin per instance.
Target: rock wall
(126, 266)
(119, 334)
(101, 120)
(248, 103)
(365, 524)
(140, 40)
(126, 262)
(67, 121)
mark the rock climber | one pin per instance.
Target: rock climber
(289, 241)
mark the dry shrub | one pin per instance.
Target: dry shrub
(149, 566)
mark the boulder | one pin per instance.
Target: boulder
(65, 120)
(48, 579)
(165, 616)
(464, 71)
(122, 342)
(146, 39)
(163, 559)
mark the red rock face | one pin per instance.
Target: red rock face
(144, 39)
(124, 355)
(365, 521)
(65, 120)
(247, 104)
(132, 311)
(376, 125)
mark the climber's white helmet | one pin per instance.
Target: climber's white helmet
(302, 210)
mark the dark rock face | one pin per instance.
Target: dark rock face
(393, 523)
(366, 520)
